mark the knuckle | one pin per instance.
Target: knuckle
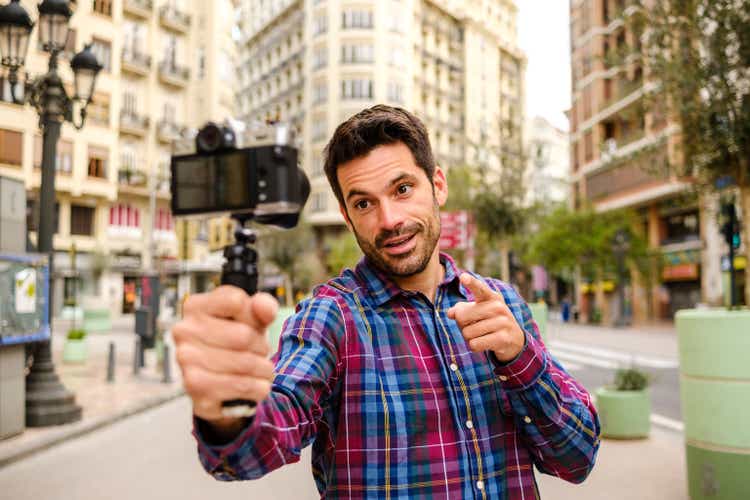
(192, 381)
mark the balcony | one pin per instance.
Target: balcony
(174, 19)
(132, 177)
(138, 8)
(167, 131)
(133, 124)
(136, 63)
(173, 74)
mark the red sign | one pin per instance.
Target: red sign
(455, 230)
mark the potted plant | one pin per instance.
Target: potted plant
(625, 406)
(75, 349)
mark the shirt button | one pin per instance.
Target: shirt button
(503, 378)
(480, 485)
(454, 367)
(469, 424)
(527, 419)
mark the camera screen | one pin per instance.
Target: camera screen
(211, 183)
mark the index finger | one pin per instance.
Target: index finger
(481, 291)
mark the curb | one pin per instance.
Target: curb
(70, 431)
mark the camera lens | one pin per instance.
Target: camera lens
(209, 138)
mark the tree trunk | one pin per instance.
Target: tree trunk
(745, 235)
(288, 290)
(504, 261)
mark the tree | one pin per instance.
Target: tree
(289, 250)
(698, 52)
(342, 252)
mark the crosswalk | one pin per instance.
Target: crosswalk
(576, 357)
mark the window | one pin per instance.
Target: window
(357, 53)
(11, 147)
(396, 23)
(129, 103)
(133, 38)
(356, 19)
(163, 220)
(98, 110)
(319, 129)
(395, 92)
(124, 215)
(319, 202)
(320, 24)
(98, 160)
(320, 57)
(82, 220)
(32, 215)
(64, 159)
(320, 92)
(103, 7)
(356, 89)
(103, 51)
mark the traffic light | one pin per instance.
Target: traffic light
(731, 227)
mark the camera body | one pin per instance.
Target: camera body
(262, 181)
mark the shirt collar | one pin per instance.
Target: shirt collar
(381, 288)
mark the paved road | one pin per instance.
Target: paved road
(148, 456)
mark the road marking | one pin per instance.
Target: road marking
(567, 357)
(617, 359)
(667, 422)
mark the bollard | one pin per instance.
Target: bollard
(167, 366)
(137, 356)
(111, 363)
(141, 354)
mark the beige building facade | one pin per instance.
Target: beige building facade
(456, 64)
(611, 122)
(162, 60)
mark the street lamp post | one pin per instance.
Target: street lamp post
(48, 402)
(621, 246)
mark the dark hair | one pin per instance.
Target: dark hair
(373, 127)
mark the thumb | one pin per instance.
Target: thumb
(263, 310)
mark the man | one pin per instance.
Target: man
(410, 378)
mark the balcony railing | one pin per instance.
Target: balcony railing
(167, 130)
(173, 74)
(174, 19)
(138, 8)
(133, 123)
(136, 62)
(133, 177)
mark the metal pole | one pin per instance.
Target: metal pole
(111, 363)
(732, 286)
(152, 210)
(137, 356)
(48, 402)
(167, 366)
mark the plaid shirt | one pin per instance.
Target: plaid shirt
(383, 385)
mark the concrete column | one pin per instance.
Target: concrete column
(654, 242)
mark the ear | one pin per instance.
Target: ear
(348, 222)
(441, 186)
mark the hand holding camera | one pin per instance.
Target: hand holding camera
(222, 349)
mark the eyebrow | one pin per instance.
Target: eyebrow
(396, 180)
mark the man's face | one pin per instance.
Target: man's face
(392, 208)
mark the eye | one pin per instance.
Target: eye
(404, 188)
(361, 204)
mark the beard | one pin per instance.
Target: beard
(410, 263)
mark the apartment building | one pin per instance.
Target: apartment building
(456, 64)
(548, 163)
(162, 74)
(620, 150)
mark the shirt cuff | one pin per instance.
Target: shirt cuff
(214, 456)
(524, 370)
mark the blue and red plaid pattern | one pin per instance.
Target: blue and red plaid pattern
(383, 385)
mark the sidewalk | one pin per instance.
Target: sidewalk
(102, 402)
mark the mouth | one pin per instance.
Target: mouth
(399, 245)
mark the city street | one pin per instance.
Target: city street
(152, 454)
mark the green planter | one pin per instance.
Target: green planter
(274, 331)
(624, 414)
(75, 351)
(714, 347)
(96, 320)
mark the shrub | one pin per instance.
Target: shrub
(631, 379)
(77, 334)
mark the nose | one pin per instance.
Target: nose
(391, 216)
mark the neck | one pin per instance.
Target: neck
(427, 281)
